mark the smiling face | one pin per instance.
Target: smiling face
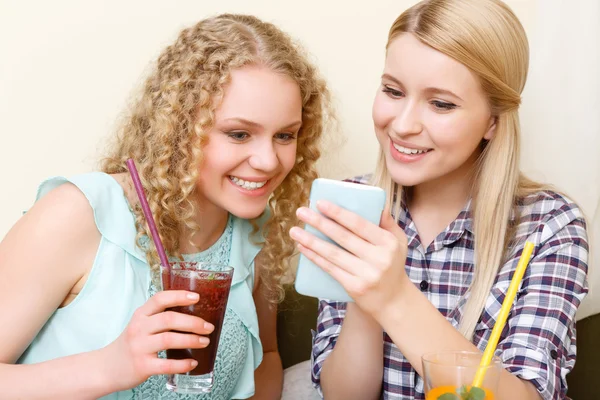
(252, 145)
(430, 114)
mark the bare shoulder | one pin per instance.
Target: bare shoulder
(49, 250)
(61, 224)
(64, 209)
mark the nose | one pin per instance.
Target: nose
(408, 120)
(264, 156)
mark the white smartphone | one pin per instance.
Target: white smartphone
(364, 200)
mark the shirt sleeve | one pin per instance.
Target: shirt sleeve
(329, 326)
(539, 343)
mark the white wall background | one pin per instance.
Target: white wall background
(68, 66)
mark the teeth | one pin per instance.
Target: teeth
(406, 150)
(247, 185)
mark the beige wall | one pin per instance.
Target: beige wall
(67, 67)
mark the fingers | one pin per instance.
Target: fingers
(343, 277)
(325, 252)
(176, 340)
(162, 366)
(339, 234)
(351, 221)
(167, 299)
(176, 321)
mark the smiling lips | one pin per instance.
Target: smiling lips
(248, 185)
(406, 154)
(407, 150)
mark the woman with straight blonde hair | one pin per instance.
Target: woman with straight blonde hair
(226, 134)
(433, 277)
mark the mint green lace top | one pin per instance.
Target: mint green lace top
(120, 281)
(233, 345)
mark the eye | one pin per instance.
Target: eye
(285, 137)
(443, 106)
(393, 93)
(238, 136)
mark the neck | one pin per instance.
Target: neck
(212, 221)
(449, 192)
(435, 204)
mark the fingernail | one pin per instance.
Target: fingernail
(194, 363)
(295, 232)
(322, 205)
(208, 326)
(193, 296)
(204, 340)
(302, 212)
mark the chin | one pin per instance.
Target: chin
(405, 178)
(247, 212)
(405, 183)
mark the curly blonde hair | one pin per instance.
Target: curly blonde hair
(166, 128)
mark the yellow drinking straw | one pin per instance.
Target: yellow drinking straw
(490, 349)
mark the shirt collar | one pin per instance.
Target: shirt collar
(453, 232)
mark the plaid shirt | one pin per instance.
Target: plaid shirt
(538, 342)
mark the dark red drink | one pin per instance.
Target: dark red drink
(213, 288)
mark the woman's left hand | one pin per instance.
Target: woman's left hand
(370, 266)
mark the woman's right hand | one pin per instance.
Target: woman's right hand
(132, 357)
(369, 261)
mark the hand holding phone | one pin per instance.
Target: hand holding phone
(364, 200)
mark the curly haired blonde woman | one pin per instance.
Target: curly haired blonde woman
(433, 278)
(225, 134)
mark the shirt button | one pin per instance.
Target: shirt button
(553, 354)
(424, 285)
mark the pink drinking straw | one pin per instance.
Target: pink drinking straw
(149, 219)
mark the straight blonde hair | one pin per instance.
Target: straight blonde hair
(486, 37)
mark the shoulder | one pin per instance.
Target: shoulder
(556, 226)
(548, 202)
(63, 208)
(548, 214)
(59, 228)
(91, 200)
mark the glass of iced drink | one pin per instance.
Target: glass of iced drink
(212, 282)
(449, 376)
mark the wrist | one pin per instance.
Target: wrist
(398, 305)
(355, 313)
(107, 376)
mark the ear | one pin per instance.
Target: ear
(491, 129)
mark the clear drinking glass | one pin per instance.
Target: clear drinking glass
(212, 282)
(452, 372)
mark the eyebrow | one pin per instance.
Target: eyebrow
(429, 89)
(256, 125)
